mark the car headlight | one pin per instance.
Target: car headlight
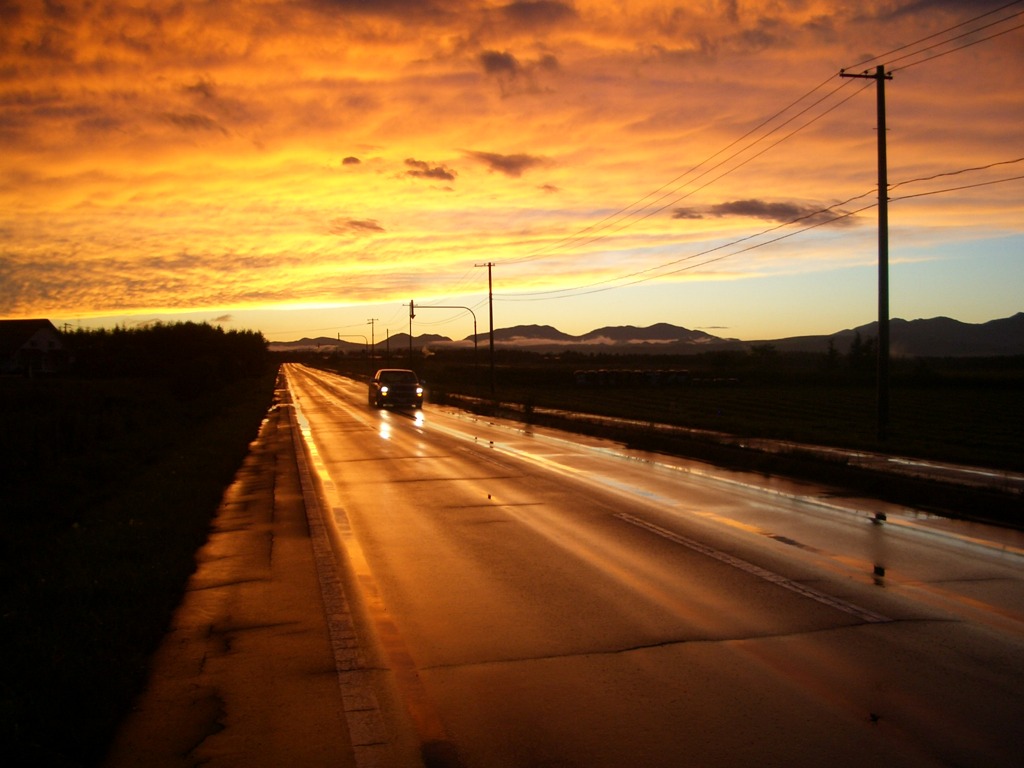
(419, 391)
(384, 390)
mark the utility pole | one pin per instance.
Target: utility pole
(490, 311)
(373, 343)
(880, 77)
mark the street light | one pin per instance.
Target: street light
(366, 341)
(476, 374)
(373, 342)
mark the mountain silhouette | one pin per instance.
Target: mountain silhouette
(935, 337)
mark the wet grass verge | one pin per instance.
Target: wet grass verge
(960, 411)
(994, 505)
(946, 499)
(109, 489)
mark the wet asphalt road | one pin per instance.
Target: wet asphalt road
(530, 599)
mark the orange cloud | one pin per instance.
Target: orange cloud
(208, 156)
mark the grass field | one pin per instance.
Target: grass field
(961, 411)
(110, 483)
(961, 414)
(109, 488)
(961, 426)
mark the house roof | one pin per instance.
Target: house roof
(15, 333)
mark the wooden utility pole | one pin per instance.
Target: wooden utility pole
(880, 76)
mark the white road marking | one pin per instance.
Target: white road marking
(758, 571)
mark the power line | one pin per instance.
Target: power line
(883, 57)
(745, 238)
(947, 41)
(599, 287)
(957, 189)
(748, 160)
(660, 209)
(458, 283)
(605, 285)
(629, 215)
(957, 173)
(631, 210)
(959, 48)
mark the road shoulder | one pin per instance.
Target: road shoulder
(246, 674)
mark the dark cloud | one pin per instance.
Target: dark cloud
(351, 161)
(341, 226)
(731, 11)
(547, 62)
(761, 209)
(822, 27)
(223, 319)
(886, 12)
(194, 122)
(499, 63)
(423, 170)
(399, 9)
(504, 63)
(514, 76)
(542, 13)
(782, 212)
(769, 33)
(202, 87)
(510, 165)
(207, 100)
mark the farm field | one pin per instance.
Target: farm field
(960, 411)
(971, 427)
(110, 482)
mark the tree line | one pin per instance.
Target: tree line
(195, 356)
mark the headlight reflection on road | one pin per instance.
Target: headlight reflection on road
(418, 419)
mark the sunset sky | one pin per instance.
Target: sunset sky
(299, 167)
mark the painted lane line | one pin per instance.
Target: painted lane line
(755, 570)
(402, 668)
(371, 744)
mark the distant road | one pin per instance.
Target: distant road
(541, 599)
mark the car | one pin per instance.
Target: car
(396, 387)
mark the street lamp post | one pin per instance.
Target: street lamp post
(373, 341)
(366, 341)
(490, 307)
(476, 374)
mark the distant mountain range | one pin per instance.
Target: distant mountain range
(936, 337)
